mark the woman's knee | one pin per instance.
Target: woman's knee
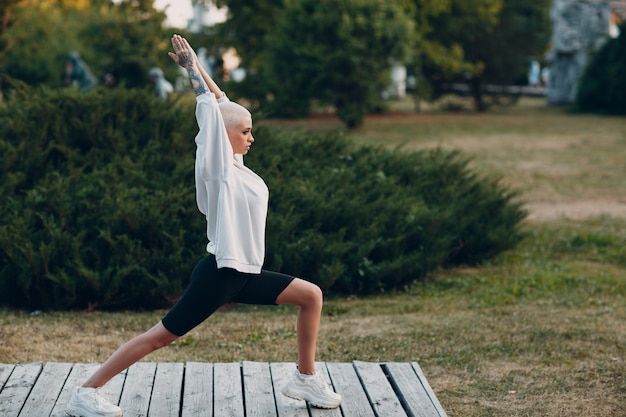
(311, 295)
(303, 294)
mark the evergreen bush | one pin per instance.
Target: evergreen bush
(602, 88)
(99, 204)
(363, 219)
(98, 199)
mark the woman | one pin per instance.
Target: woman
(234, 201)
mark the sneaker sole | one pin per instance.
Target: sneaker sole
(314, 404)
(73, 413)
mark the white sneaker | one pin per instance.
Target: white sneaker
(89, 402)
(313, 389)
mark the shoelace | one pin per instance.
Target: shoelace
(317, 380)
(102, 400)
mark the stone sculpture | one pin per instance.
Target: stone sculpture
(578, 28)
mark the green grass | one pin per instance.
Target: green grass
(548, 153)
(538, 331)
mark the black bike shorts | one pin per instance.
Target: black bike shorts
(210, 288)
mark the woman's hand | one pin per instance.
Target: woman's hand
(183, 54)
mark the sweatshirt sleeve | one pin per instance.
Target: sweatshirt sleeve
(214, 155)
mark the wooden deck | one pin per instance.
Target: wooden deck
(248, 389)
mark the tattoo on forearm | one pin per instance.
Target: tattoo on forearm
(197, 82)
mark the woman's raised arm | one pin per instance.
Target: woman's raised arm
(185, 56)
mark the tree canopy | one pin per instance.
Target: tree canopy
(477, 41)
(335, 53)
(123, 40)
(491, 40)
(298, 54)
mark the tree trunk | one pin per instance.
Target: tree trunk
(477, 92)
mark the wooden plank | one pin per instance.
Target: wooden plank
(228, 393)
(258, 393)
(285, 406)
(221, 390)
(410, 391)
(321, 368)
(17, 388)
(5, 372)
(346, 380)
(428, 388)
(113, 389)
(379, 390)
(78, 374)
(44, 394)
(137, 389)
(166, 393)
(198, 390)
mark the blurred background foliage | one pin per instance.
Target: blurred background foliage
(122, 41)
(602, 88)
(299, 55)
(303, 56)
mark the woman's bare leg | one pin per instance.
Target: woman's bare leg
(309, 298)
(129, 353)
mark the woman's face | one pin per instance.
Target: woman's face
(241, 136)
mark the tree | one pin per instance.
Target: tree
(245, 29)
(335, 53)
(286, 48)
(522, 31)
(602, 87)
(332, 53)
(122, 39)
(248, 22)
(6, 17)
(132, 35)
(36, 55)
(446, 27)
(494, 37)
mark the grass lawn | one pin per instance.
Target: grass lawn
(539, 331)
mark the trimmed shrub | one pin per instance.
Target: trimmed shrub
(99, 208)
(361, 219)
(99, 200)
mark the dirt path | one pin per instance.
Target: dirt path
(575, 210)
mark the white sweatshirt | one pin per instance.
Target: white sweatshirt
(232, 197)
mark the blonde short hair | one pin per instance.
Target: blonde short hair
(233, 114)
